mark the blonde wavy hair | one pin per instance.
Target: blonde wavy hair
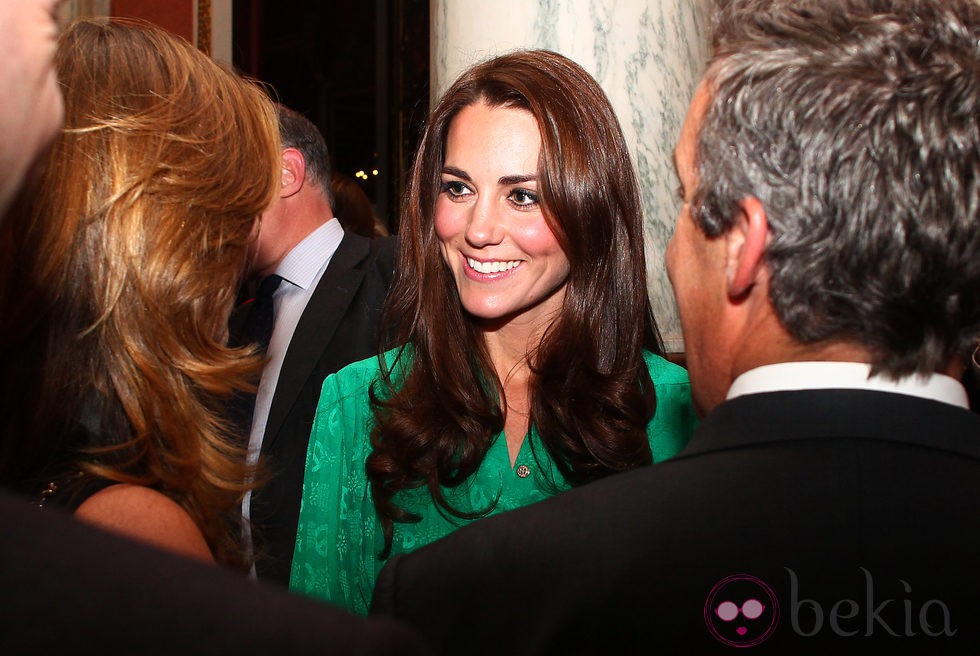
(129, 255)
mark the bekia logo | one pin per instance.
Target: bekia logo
(742, 611)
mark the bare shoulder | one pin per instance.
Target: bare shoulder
(146, 515)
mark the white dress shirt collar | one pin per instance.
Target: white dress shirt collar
(304, 262)
(786, 376)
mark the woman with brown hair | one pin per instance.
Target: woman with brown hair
(130, 249)
(526, 355)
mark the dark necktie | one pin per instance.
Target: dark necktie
(257, 329)
(261, 317)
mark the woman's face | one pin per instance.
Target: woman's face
(507, 264)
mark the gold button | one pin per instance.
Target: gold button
(523, 471)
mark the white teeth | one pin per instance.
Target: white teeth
(491, 267)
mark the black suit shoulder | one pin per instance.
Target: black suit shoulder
(68, 585)
(363, 253)
(836, 501)
(383, 251)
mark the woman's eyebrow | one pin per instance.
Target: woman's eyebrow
(517, 179)
(456, 173)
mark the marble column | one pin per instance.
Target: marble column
(646, 54)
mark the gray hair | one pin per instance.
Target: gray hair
(297, 131)
(855, 123)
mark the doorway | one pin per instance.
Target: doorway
(358, 70)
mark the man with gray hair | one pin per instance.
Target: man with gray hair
(826, 266)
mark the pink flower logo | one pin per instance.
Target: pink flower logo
(741, 611)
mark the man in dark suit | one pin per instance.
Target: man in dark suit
(326, 316)
(826, 266)
(68, 586)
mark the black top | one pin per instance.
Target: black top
(69, 492)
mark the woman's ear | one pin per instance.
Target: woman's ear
(747, 242)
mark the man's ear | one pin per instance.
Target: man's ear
(746, 246)
(293, 172)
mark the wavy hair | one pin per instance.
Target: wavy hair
(857, 124)
(591, 396)
(129, 253)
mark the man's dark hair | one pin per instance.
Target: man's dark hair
(297, 131)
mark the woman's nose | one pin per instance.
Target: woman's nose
(484, 227)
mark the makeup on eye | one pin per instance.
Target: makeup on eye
(455, 189)
(523, 199)
(459, 186)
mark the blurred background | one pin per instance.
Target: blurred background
(358, 70)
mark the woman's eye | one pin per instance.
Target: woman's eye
(524, 198)
(455, 189)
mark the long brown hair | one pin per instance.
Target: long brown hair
(591, 395)
(129, 252)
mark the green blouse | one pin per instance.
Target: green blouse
(339, 536)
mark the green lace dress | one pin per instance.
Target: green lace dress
(339, 536)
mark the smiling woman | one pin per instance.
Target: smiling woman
(525, 359)
(505, 260)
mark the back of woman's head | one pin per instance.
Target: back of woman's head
(134, 242)
(162, 169)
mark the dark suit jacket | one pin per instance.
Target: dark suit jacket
(70, 587)
(338, 326)
(836, 501)
(971, 381)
